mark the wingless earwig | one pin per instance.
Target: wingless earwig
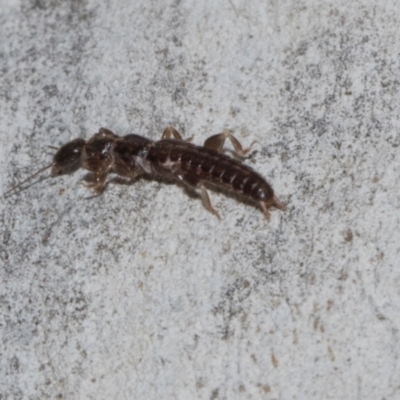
(196, 167)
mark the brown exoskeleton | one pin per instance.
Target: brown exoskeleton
(196, 167)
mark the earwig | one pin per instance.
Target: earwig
(196, 167)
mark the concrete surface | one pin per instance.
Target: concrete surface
(142, 294)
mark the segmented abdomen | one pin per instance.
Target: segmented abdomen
(199, 164)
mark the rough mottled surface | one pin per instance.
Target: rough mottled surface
(141, 293)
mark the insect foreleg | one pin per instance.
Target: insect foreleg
(99, 181)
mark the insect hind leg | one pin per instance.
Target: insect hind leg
(216, 142)
(207, 203)
(170, 132)
(192, 182)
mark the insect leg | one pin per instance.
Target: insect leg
(104, 132)
(192, 182)
(207, 203)
(99, 180)
(216, 142)
(170, 132)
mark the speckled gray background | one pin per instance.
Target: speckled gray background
(141, 293)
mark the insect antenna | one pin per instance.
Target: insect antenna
(27, 179)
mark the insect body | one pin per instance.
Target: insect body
(196, 167)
